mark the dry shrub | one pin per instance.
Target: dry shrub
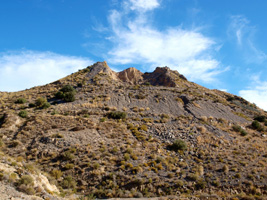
(204, 118)
(202, 129)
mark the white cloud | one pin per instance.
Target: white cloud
(257, 93)
(143, 5)
(25, 69)
(137, 41)
(239, 26)
(244, 34)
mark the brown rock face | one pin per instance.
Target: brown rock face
(131, 75)
(161, 76)
(101, 68)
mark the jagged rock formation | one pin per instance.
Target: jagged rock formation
(161, 76)
(131, 75)
(101, 68)
(134, 134)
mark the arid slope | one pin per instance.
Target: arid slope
(134, 134)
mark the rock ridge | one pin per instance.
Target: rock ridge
(161, 76)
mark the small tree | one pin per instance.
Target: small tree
(260, 118)
(67, 93)
(69, 96)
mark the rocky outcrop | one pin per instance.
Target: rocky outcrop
(160, 77)
(102, 69)
(131, 75)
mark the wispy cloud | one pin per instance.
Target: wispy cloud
(244, 34)
(256, 93)
(137, 41)
(239, 27)
(25, 69)
(142, 5)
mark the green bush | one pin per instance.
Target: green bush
(67, 88)
(1, 176)
(103, 119)
(40, 101)
(23, 114)
(32, 105)
(56, 173)
(46, 105)
(67, 155)
(15, 143)
(178, 145)
(256, 125)
(67, 93)
(21, 101)
(59, 95)
(243, 132)
(2, 118)
(1, 143)
(260, 118)
(68, 182)
(237, 128)
(200, 184)
(54, 112)
(117, 115)
(69, 96)
(26, 180)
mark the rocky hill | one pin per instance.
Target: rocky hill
(98, 133)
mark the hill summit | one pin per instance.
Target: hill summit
(161, 76)
(104, 134)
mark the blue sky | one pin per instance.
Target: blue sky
(219, 44)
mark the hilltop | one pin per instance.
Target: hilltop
(100, 133)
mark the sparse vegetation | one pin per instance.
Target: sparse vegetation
(117, 115)
(111, 143)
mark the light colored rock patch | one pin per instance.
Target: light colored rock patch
(7, 168)
(42, 182)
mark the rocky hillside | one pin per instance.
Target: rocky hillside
(98, 133)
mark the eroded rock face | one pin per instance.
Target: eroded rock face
(101, 68)
(10, 121)
(131, 75)
(160, 77)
